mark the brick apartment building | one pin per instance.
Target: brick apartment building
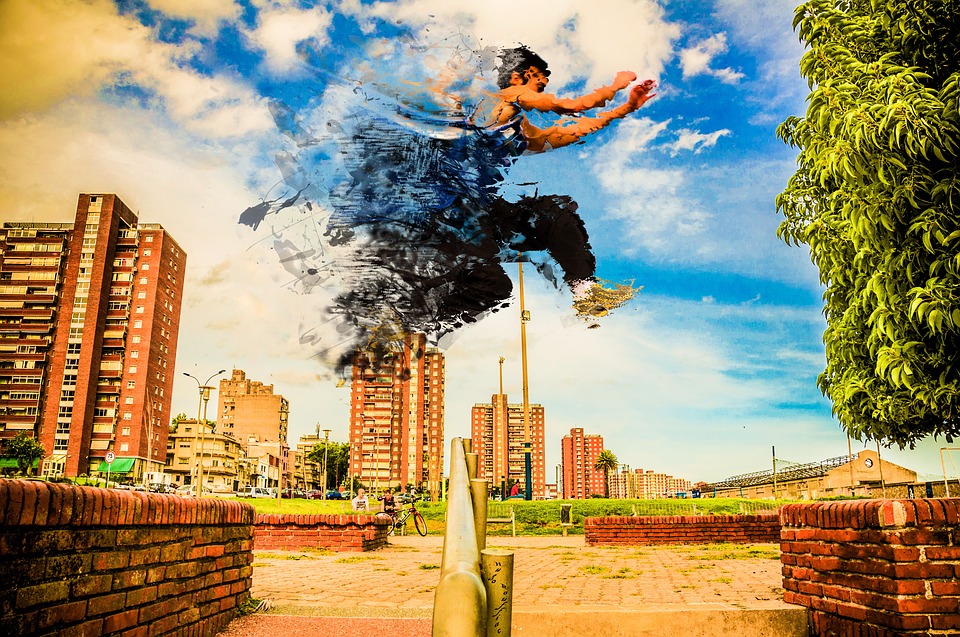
(397, 417)
(89, 319)
(498, 434)
(579, 453)
(258, 418)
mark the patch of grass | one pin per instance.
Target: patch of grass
(382, 568)
(402, 573)
(591, 569)
(619, 576)
(722, 580)
(249, 607)
(546, 586)
(735, 552)
(256, 564)
(428, 567)
(353, 559)
(280, 556)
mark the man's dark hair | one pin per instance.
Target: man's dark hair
(518, 60)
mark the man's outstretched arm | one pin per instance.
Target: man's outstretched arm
(548, 103)
(543, 139)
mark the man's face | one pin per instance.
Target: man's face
(535, 79)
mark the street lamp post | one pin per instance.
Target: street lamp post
(204, 389)
(326, 444)
(524, 317)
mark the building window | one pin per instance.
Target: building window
(141, 295)
(135, 354)
(128, 400)
(147, 252)
(125, 431)
(131, 384)
(139, 309)
(138, 324)
(145, 267)
(136, 339)
(124, 446)
(127, 415)
(143, 280)
(133, 369)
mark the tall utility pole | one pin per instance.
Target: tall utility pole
(326, 444)
(524, 317)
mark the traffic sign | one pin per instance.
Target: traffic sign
(111, 457)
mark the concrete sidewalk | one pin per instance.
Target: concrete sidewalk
(561, 587)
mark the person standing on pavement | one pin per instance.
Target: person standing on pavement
(360, 502)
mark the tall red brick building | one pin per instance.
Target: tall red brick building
(397, 417)
(579, 454)
(498, 434)
(89, 319)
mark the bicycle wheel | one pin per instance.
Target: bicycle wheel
(393, 525)
(420, 523)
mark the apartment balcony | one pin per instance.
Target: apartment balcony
(110, 373)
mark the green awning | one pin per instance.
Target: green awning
(120, 465)
(11, 463)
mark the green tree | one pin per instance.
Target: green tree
(876, 197)
(25, 449)
(606, 461)
(338, 461)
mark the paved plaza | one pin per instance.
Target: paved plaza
(551, 575)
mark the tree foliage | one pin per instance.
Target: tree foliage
(876, 198)
(606, 461)
(338, 461)
(25, 449)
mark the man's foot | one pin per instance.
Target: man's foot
(592, 300)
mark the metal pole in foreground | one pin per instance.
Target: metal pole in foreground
(496, 566)
(524, 317)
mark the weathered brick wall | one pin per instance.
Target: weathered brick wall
(681, 529)
(874, 567)
(334, 532)
(86, 561)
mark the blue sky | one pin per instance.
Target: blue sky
(165, 103)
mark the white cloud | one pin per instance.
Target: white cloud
(696, 141)
(624, 35)
(69, 48)
(280, 29)
(206, 15)
(698, 59)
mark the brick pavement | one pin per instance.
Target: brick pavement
(399, 581)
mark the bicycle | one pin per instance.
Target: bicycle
(400, 519)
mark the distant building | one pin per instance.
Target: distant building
(89, 319)
(397, 418)
(646, 485)
(861, 474)
(249, 411)
(579, 453)
(498, 434)
(222, 457)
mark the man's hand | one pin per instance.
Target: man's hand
(641, 93)
(623, 79)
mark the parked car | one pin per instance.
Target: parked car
(191, 490)
(314, 494)
(160, 487)
(255, 492)
(333, 494)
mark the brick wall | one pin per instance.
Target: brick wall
(334, 532)
(86, 561)
(669, 529)
(874, 567)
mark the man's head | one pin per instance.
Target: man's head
(519, 66)
(361, 492)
